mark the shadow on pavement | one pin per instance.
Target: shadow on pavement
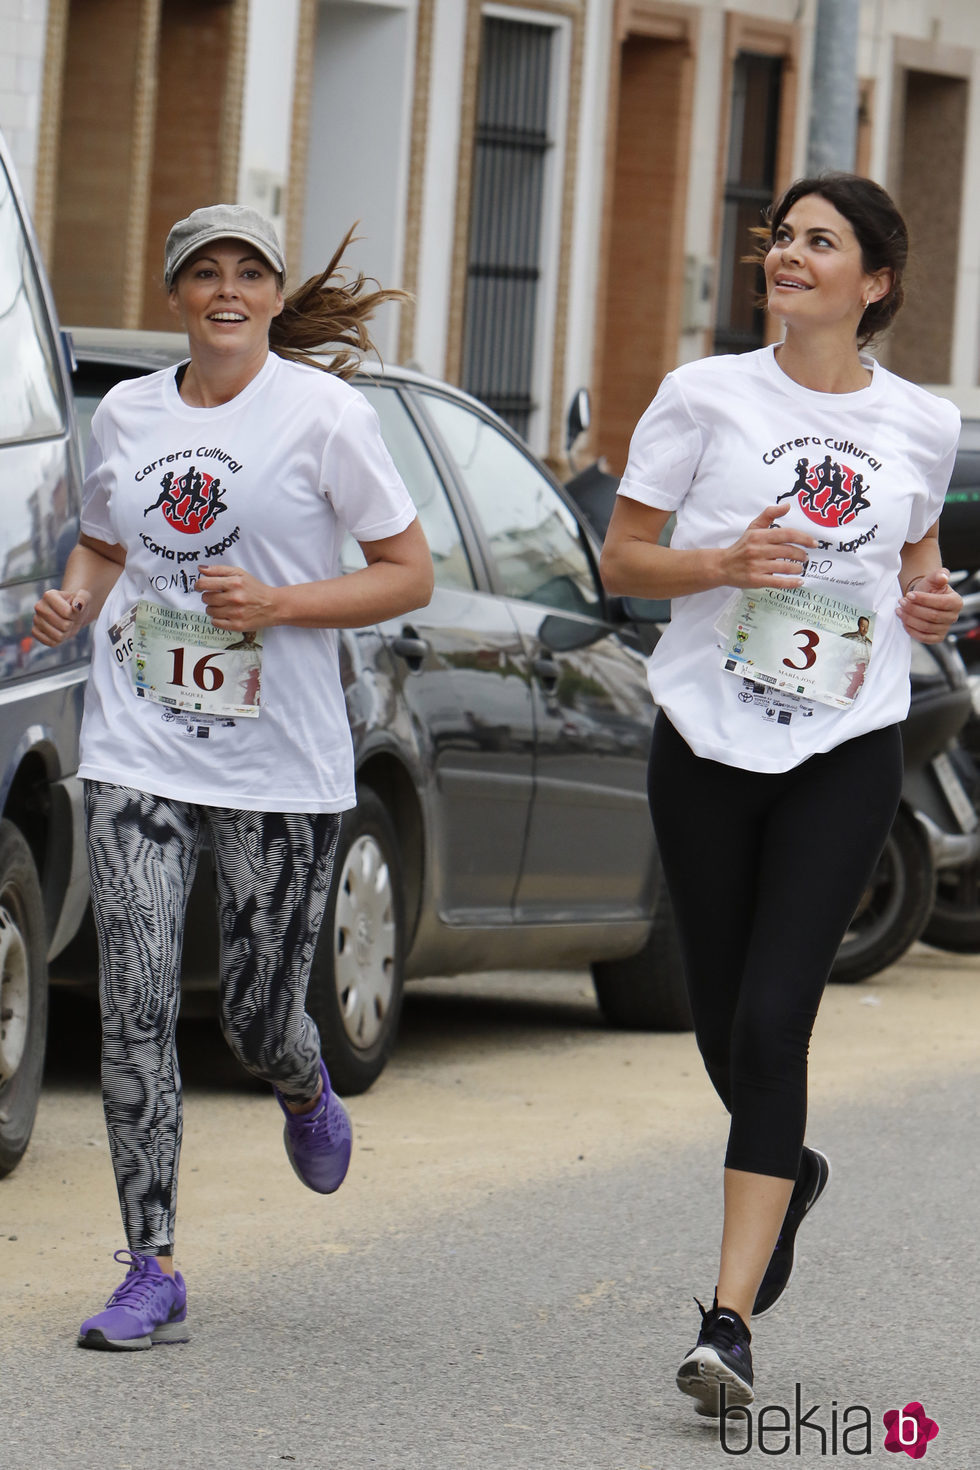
(451, 1020)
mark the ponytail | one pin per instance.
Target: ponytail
(325, 311)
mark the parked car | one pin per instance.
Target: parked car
(43, 880)
(501, 738)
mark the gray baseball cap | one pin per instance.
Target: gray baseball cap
(221, 222)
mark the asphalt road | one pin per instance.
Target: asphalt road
(505, 1281)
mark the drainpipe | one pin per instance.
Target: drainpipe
(832, 139)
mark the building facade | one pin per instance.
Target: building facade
(564, 187)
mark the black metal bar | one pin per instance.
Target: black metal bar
(503, 270)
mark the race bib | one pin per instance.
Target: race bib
(799, 641)
(182, 660)
(121, 636)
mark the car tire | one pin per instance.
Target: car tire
(357, 981)
(647, 991)
(894, 907)
(23, 995)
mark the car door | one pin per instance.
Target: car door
(39, 519)
(463, 678)
(589, 848)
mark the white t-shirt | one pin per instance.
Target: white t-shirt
(863, 472)
(270, 482)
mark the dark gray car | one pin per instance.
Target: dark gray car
(501, 737)
(43, 883)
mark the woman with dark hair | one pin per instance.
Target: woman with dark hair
(807, 483)
(229, 717)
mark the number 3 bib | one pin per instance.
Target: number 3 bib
(182, 660)
(799, 641)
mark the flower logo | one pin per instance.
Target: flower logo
(909, 1429)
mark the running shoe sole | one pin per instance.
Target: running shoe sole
(823, 1179)
(701, 1375)
(167, 1332)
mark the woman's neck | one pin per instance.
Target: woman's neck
(824, 364)
(211, 380)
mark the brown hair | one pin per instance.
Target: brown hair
(880, 230)
(327, 310)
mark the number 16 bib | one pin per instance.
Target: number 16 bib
(182, 660)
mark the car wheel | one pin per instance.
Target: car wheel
(954, 923)
(23, 995)
(356, 985)
(895, 905)
(647, 991)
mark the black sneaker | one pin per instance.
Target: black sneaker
(810, 1185)
(722, 1356)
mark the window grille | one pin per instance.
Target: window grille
(749, 184)
(513, 137)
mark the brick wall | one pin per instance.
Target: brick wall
(22, 33)
(98, 177)
(189, 142)
(930, 193)
(645, 258)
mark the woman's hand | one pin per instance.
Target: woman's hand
(930, 608)
(766, 554)
(235, 600)
(59, 615)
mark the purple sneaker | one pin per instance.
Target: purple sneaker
(318, 1144)
(146, 1307)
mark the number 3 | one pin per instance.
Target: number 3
(808, 649)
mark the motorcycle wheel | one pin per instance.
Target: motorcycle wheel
(954, 923)
(894, 908)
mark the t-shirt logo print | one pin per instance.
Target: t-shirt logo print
(828, 492)
(190, 502)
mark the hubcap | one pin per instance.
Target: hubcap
(364, 942)
(15, 996)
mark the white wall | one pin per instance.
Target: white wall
(589, 184)
(439, 200)
(267, 104)
(360, 136)
(23, 25)
(950, 23)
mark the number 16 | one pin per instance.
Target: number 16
(206, 678)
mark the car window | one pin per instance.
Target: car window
(90, 383)
(30, 404)
(534, 539)
(86, 402)
(414, 463)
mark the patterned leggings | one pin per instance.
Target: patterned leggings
(273, 874)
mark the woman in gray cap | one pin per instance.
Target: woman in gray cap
(217, 496)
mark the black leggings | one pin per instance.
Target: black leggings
(272, 871)
(764, 872)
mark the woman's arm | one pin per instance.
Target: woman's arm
(91, 572)
(397, 579)
(634, 564)
(929, 606)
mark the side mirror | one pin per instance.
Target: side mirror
(579, 416)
